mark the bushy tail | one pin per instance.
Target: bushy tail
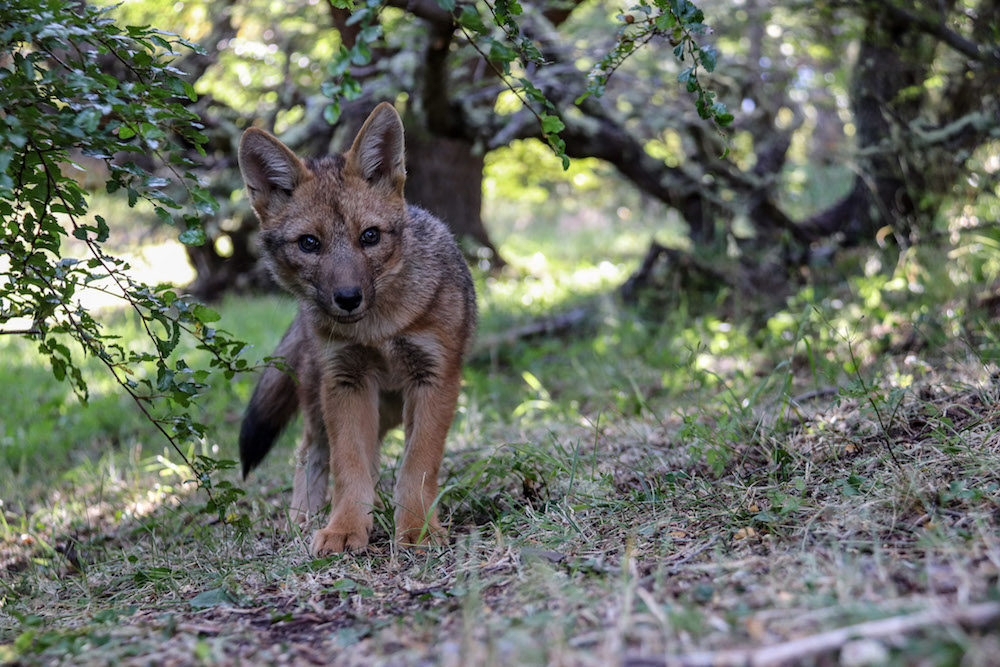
(274, 403)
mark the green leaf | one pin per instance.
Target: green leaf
(506, 8)
(164, 215)
(164, 379)
(552, 124)
(338, 66)
(331, 114)
(722, 115)
(501, 52)
(361, 54)
(531, 51)
(213, 598)
(192, 236)
(203, 313)
(345, 585)
(153, 574)
(370, 33)
(708, 57)
(102, 229)
(471, 20)
(204, 201)
(88, 120)
(665, 21)
(351, 90)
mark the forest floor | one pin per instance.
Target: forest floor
(687, 489)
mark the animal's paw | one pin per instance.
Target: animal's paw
(415, 530)
(341, 535)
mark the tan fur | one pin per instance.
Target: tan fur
(381, 331)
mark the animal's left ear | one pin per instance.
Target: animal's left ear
(378, 153)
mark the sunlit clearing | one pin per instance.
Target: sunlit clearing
(154, 264)
(537, 264)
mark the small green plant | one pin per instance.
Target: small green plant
(884, 403)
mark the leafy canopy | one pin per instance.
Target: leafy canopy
(511, 54)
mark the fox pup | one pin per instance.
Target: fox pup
(387, 310)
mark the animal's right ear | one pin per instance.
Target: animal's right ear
(270, 170)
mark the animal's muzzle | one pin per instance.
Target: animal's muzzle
(348, 299)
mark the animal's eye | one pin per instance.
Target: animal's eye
(308, 243)
(370, 236)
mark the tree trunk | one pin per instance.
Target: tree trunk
(893, 57)
(239, 271)
(445, 176)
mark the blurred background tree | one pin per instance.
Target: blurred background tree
(856, 122)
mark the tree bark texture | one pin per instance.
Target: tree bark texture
(445, 176)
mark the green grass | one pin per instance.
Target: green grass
(663, 482)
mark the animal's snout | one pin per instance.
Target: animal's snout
(348, 299)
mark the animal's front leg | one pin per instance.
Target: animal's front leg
(429, 409)
(350, 412)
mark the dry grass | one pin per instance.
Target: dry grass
(652, 539)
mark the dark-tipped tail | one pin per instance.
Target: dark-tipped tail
(274, 403)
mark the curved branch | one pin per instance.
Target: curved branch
(989, 55)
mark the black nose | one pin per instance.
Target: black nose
(348, 299)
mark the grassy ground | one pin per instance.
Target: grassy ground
(669, 485)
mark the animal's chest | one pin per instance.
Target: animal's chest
(394, 365)
(395, 369)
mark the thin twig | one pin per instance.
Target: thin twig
(822, 392)
(499, 73)
(97, 252)
(86, 339)
(799, 650)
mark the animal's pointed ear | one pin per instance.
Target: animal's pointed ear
(270, 170)
(378, 154)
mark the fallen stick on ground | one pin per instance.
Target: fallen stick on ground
(553, 325)
(796, 650)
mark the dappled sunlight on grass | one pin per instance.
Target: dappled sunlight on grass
(92, 495)
(46, 423)
(544, 287)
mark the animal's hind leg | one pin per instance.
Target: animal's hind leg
(311, 488)
(390, 415)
